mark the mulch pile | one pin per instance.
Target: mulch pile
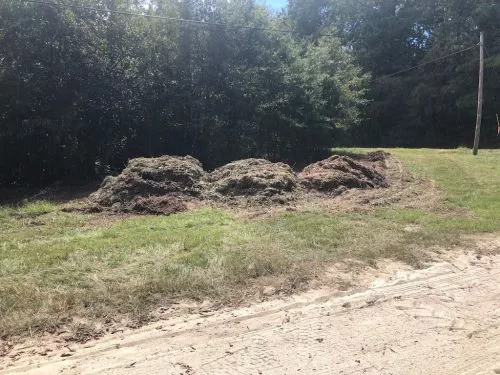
(151, 185)
(164, 185)
(338, 173)
(256, 179)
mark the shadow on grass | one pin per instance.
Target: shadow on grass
(56, 193)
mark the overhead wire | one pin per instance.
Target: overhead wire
(165, 18)
(227, 26)
(430, 62)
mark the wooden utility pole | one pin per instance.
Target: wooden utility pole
(479, 95)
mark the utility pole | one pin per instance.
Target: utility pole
(480, 95)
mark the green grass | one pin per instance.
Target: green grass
(57, 266)
(469, 184)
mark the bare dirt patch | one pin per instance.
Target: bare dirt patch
(444, 312)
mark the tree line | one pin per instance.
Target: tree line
(87, 85)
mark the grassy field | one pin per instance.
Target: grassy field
(59, 268)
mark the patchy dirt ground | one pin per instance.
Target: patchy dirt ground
(340, 183)
(444, 320)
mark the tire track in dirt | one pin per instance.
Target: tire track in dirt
(443, 320)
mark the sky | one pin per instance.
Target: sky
(275, 4)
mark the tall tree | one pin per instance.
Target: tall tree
(87, 89)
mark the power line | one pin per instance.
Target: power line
(205, 23)
(164, 18)
(431, 61)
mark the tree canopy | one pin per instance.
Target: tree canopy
(88, 85)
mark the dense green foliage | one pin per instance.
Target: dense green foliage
(436, 104)
(83, 91)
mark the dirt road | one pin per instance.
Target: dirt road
(443, 320)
